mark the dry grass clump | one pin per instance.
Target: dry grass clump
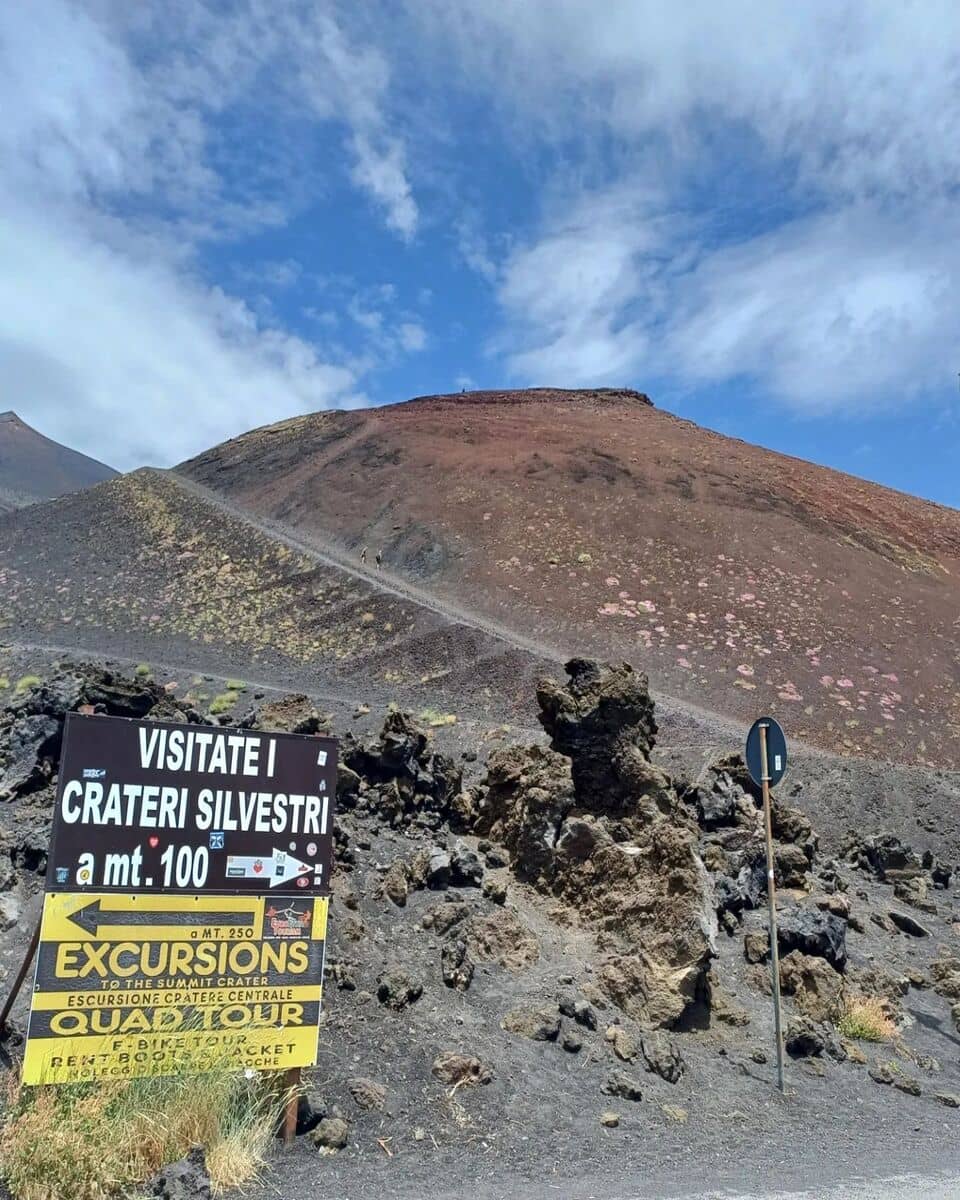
(100, 1141)
(26, 682)
(866, 1018)
(435, 719)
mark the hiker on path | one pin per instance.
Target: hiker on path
(379, 559)
(363, 555)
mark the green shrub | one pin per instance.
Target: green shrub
(26, 682)
(434, 718)
(866, 1018)
(223, 703)
(142, 671)
(236, 685)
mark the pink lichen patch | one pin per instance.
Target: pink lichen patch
(826, 680)
(845, 683)
(729, 617)
(891, 678)
(683, 646)
(612, 581)
(647, 605)
(609, 610)
(745, 669)
(685, 663)
(747, 596)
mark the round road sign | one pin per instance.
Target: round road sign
(776, 752)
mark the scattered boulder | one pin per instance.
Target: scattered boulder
(494, 889)
(756, 945)
(367, 1094)
(405, 778)
(502, 938)
(183, 1180)
(813, 932)
(791, 865)
(537, 1023)
(609, 1120)
(908, 925)
(624, 1044)
(814, 984)
(466, 867)
(662, 1056)
(9, 913)
(32, 746)
(438, 871)
(394, 883)
(881, 1073)
(453, 1068)
(623, 1085)
(295, 713)
(944, 975)
(456, 965)
(572, 1042)
(803, 1039)
(397, 989)
(331, 1134)
(580, 1010)
(443, 917)
(948, 1099)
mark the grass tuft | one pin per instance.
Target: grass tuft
(4, 683)
(142, 671)
(236, 685)
(26, 682)
(90, 1142)
(224, 702)
(865, 1018)
(435, 719)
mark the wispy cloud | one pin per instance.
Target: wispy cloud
(759, 190)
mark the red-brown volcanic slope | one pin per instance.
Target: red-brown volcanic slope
(742, 580)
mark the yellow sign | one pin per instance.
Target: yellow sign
(130, 986)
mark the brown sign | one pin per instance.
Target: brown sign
(148, 807)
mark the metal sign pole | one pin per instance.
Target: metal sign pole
(772, 904)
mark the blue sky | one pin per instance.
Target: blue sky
(214, 215)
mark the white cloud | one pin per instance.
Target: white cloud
(127, 146)
(131, 361)
(413, 336)
(839, 310)
(752, 189)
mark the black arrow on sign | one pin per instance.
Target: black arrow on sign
(92, 918)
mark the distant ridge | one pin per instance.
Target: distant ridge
(35, 468)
